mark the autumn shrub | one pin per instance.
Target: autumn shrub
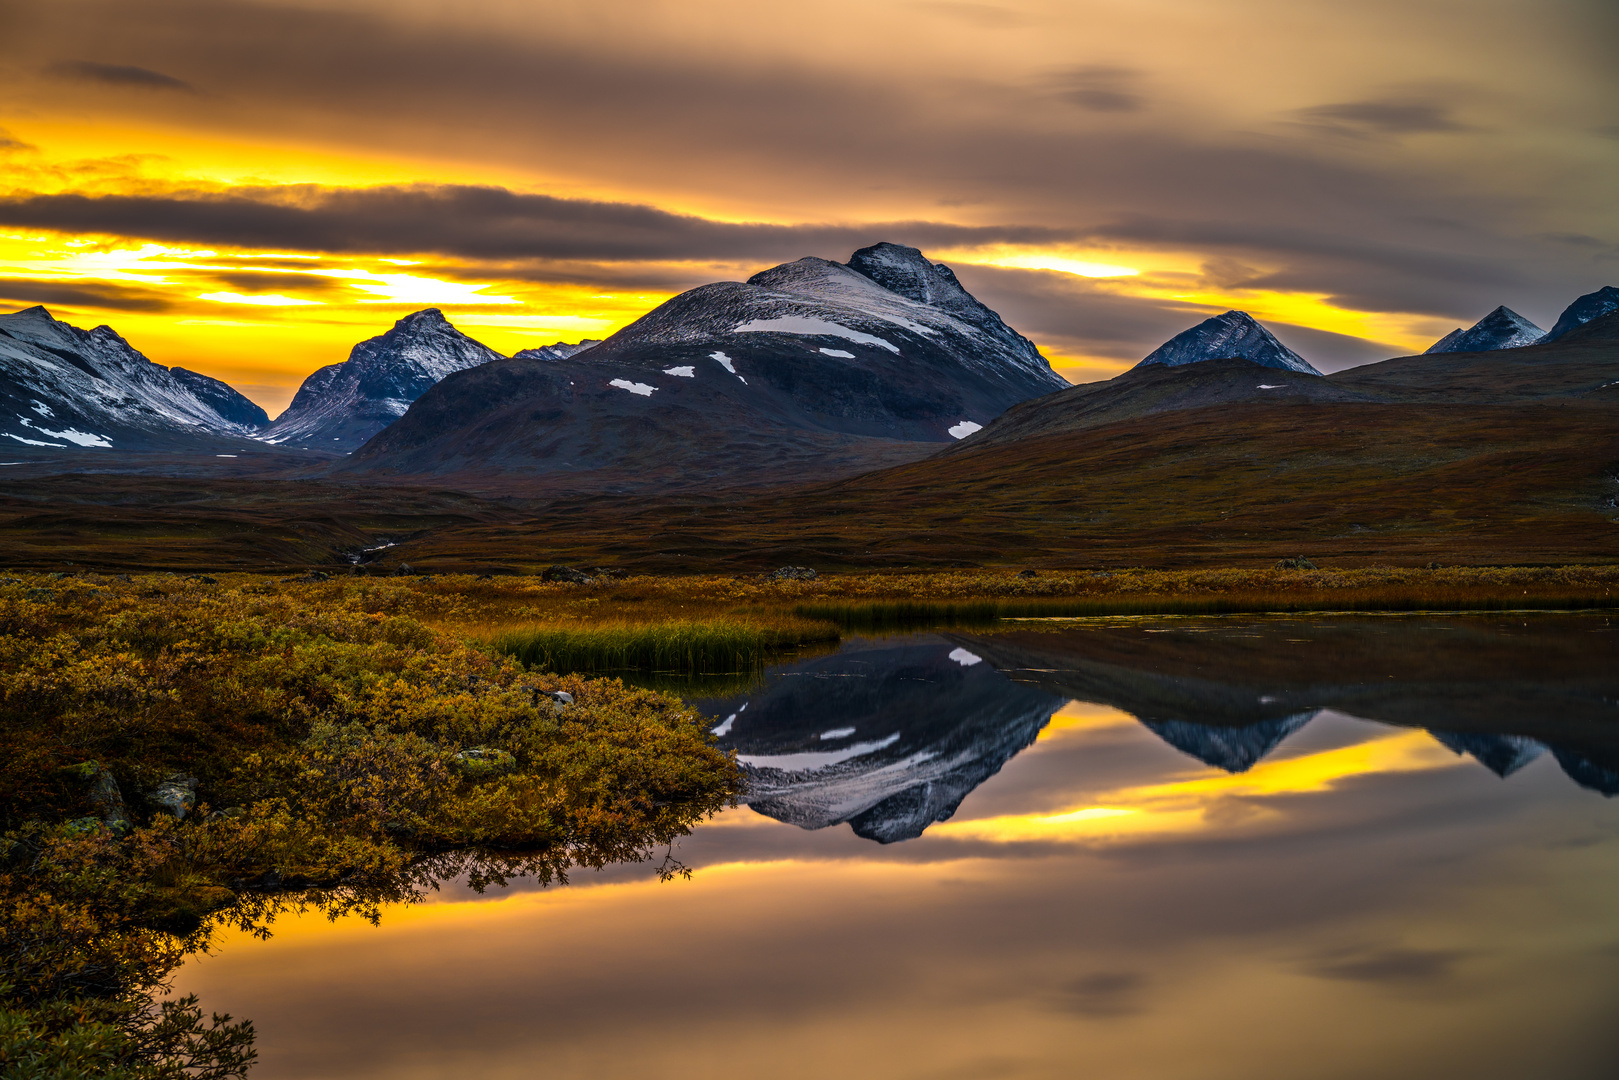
(325, 736)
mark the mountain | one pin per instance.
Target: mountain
(811, 365)
(1234, 335)
(342, 405)
(888, 738)
(1502, 328)
(65, 388)
(560, 351)
(1590, 306)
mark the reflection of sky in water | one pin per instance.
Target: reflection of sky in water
(1362, 901)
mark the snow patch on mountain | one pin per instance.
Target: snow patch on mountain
(633, 387)
(964, 429)
(810, 327)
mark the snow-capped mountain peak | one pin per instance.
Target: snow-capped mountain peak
(340, 406)
(1502, 328)
(63, 387)
(1233, 335)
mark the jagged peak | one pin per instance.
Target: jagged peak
(38, 311)
(423, 319)
(906, 271)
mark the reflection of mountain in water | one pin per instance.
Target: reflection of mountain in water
(889, 738)
(1234, 749)
(1228, 692)
(1501, 754)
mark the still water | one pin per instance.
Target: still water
(1214, 848)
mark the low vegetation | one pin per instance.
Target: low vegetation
(177, 752)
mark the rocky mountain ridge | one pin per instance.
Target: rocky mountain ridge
(63, 388)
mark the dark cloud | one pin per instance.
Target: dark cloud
(1383, 117)
(123, 76)
(469, 222)
(8, 141)
(1386, 965)
(1103, 993)
(28, 292)
(271, 281)
(1100, 88)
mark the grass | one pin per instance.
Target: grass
(894, 615)
(682, 647)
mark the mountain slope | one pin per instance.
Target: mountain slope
(1233, 335)
(342, 405)
(63, 388)
(812, 365)
(1502, 328)
(1591, 306)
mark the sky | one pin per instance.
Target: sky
(248, 188)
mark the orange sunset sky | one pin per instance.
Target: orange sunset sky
(249, 188)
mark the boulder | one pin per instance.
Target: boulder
(479, 762)
(794, 573)
(175, 796)
(565, 573)
(1299, 563)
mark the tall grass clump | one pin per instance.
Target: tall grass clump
(679, 647)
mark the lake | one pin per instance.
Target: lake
(1241, 847)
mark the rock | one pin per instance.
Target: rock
(1299, 563)
(200, 579)
(403, 570)
(605, 571)
(479, 763)
(42, 595)
(1028, 573)
(10, 581)
(176, 796)
(794, 573)
(105, 797)
(561, 697)
(566, 573)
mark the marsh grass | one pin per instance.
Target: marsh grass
(884, 615)
(679, 648)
